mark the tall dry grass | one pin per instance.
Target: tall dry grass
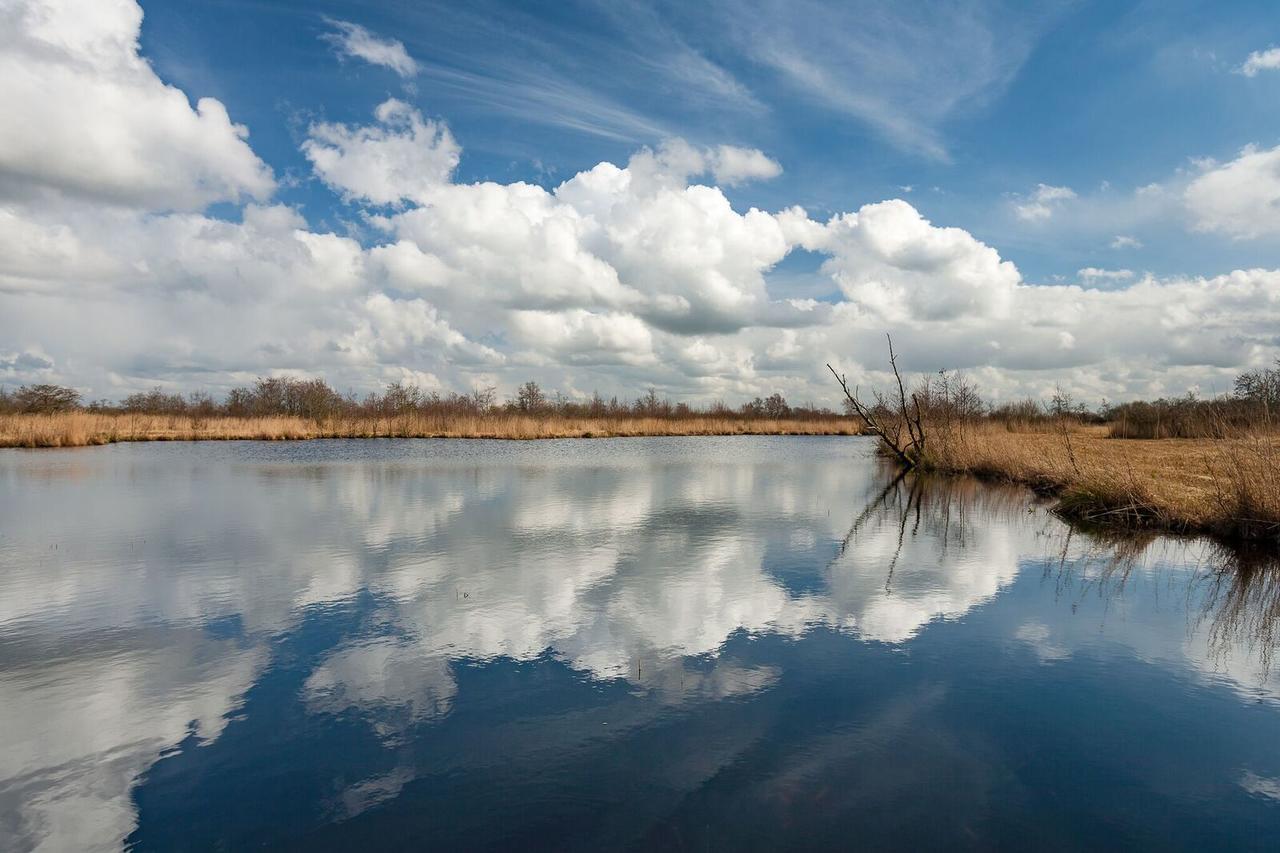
(1228, 487)
(79, 429)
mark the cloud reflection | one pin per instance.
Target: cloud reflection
(147, 589)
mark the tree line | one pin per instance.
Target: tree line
(944, 397)
(948, 397)
(315, 399)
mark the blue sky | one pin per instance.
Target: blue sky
(715, 199)
(1066, 94)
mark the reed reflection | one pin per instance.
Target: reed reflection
(1228, 598)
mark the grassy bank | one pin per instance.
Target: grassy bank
(1229, 488)
(79, 428)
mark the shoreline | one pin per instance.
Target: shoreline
(1226, 489)
(87, 429)
(1222, 488)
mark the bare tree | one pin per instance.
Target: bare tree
(44, 399)
(775, 406)
(530, 398)
(482, 398)
(889, 420)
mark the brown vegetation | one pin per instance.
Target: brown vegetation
(77, 429)
(285, 408)
(1227, 487)
(1196, 466)
(899, 426)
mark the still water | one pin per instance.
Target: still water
(655, 643)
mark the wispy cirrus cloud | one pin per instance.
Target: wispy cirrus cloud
(493, 59)
(905, 71)
(546, 99)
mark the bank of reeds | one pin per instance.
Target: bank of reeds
(1226, 487)
(1186, 465)
(81, 428)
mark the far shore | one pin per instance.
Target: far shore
(81, 429)
(1224, 487)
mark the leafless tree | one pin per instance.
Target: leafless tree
(530, 398)
(898, 424)
(44, 398)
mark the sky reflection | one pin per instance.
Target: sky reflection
(335, 604)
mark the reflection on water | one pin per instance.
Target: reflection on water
(660, 642)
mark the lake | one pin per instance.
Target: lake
(687, 643)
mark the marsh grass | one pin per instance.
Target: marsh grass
(1227, 487)
(80, 429)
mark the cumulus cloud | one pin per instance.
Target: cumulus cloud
(579, 335)
(354, 41)
(731, 165)
(624, 275)
(1040, 204)
(676, 161)
(1261, 60)
(894, 264)
(86, 116)
(404, 157)
(1240, 198)
(1124, 241)
(28, 363)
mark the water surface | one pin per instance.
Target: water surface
(653, 643)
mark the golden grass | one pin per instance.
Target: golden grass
(1227, 487)
(78, 429)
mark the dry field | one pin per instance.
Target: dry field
(1227, 487)
(78, 429)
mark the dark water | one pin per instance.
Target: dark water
(657, 643)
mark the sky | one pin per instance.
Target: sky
(714, 199)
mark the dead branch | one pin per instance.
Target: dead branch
(909, 451)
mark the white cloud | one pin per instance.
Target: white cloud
(621, 277)
(1261, 60)
(405, 157)
(897, 266)
(579, 335)
(1040, 204)
(1240, 198)
(86, 116)
(676, 161)
(1123, 241)
(731, 165)
(1094, 275)
(353, 40)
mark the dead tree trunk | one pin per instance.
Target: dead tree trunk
(907, 448)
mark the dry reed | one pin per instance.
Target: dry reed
(1226, 487)
(78, 429)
